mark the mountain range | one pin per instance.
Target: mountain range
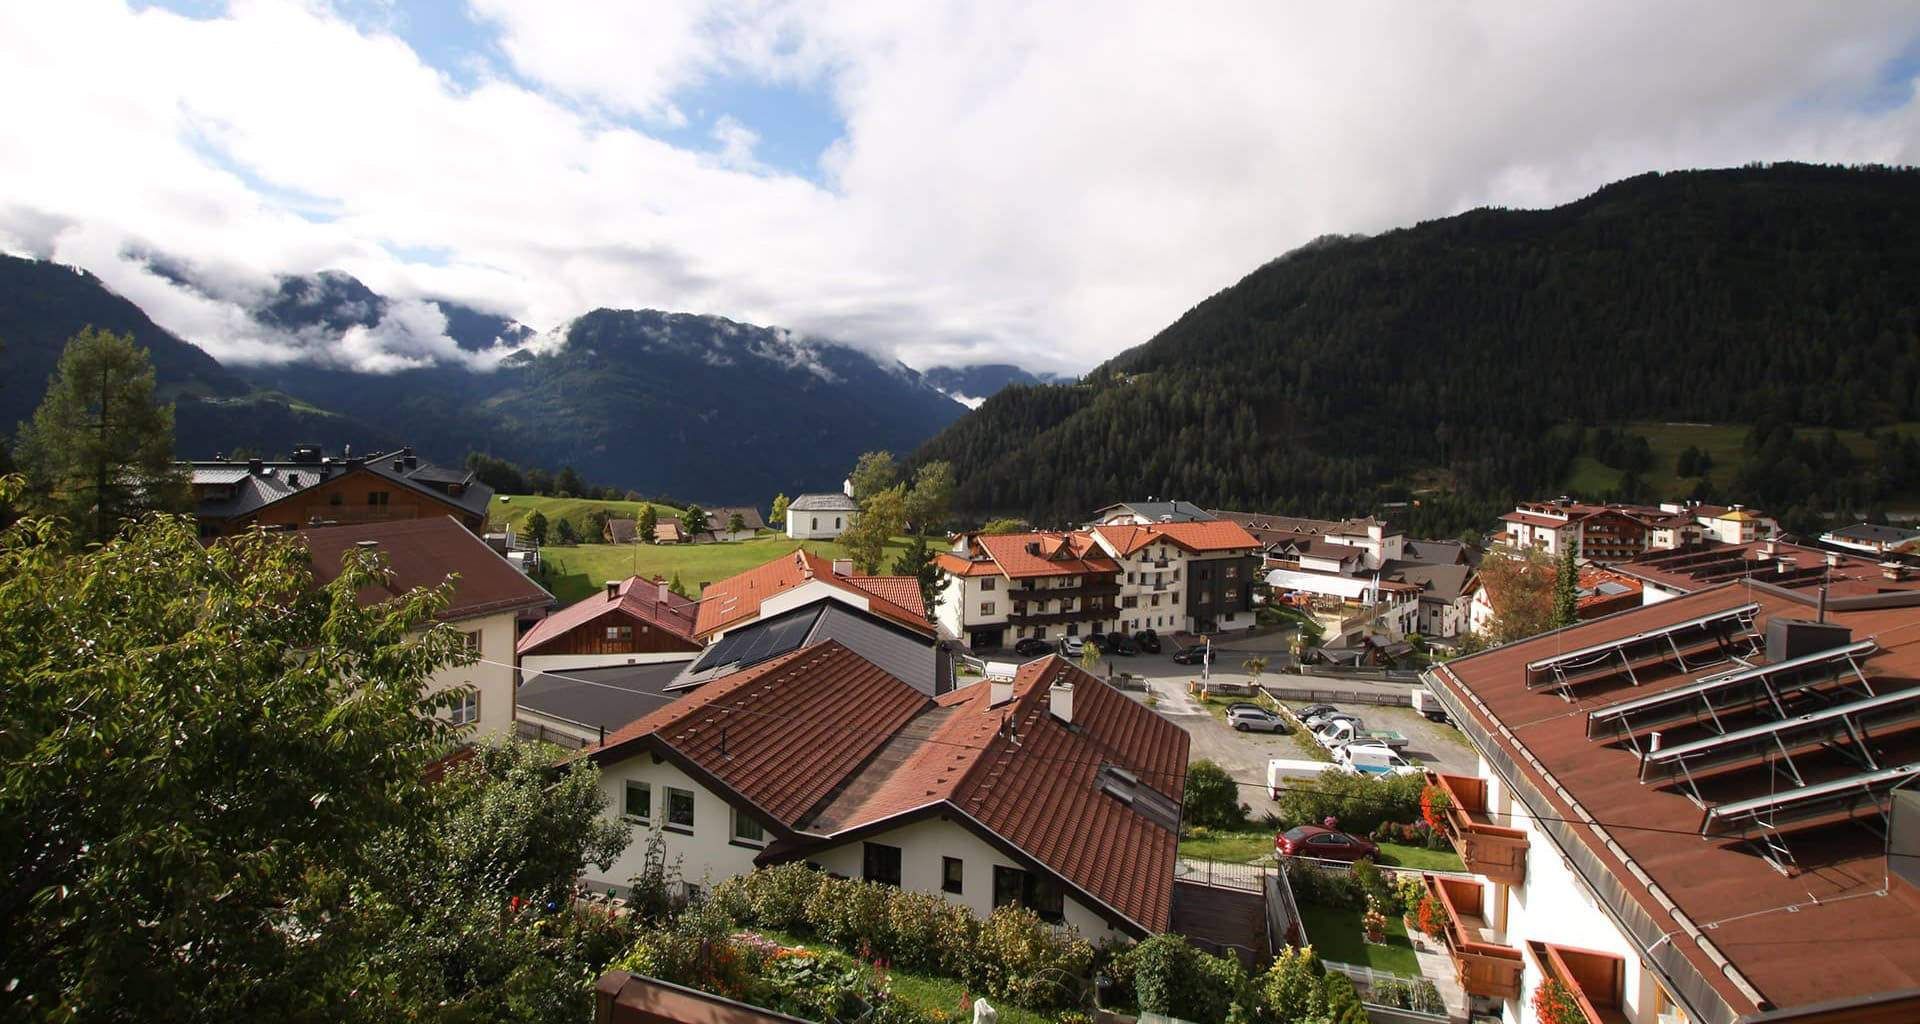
(1474, 359)
(972, 385)
(666, 403)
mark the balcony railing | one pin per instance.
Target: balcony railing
(1595, 979)
(1058, 618)
(1495, 851)
(1485, 968)
(1100, 589)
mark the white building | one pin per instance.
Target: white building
(1053, 790)
(820, 516)
(1003, 588)
(490, 599)
(1193, 576)
(1871, 538)
(1664, 868)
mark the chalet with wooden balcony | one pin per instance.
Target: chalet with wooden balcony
(1496, 851)
(1485, 967)
(1004, 588)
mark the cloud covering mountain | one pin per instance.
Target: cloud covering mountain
(953, 184)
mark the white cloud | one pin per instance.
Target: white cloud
(1036, 184)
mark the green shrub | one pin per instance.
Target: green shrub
(1343, 1001)
(1022, 958)
(1212, 797)
(851, 914)
(926, 931)
(1291, 989)
(774, 897)
(1326, 887)
(1373, 885)
(1390, 992)
(1173, 978)
(1426, 998)
(1357, 803)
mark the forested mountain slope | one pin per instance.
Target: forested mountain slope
(1466, 353)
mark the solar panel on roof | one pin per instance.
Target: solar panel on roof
(1777, 811)
(1597, 655)
(1848, 721)
(1707, 697)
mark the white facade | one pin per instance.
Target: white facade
(709, 851)
(1373, 539)
(490, 710)
(1555, 906)
(824, 524)
(973, 602)
(923, 845)
(1150, 588)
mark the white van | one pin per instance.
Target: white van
(1375, 759)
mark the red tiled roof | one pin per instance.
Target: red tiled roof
(1529, 519)
(902, 591)
(1697, 566)
(425, 552)
(1218, 535)
(637, 598)
(737, 598)
(1056, 554)
(784, 733)
(1832, 946)
(952, 563)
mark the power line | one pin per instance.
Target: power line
(1083, 763)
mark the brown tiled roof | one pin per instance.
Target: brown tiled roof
(784, 733)
(621, 531)
(1053, 554)
(1042, 794)
(900, 591)
(1697, 566)
(1218, 535)
(1830, 946)
(952, 563)
(424, 553)
(637, 599)
(737, 598)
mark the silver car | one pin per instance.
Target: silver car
(1255, 720)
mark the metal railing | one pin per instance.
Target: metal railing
(1223, 874)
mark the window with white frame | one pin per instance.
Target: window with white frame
(986, 607)
(680, 809)
(746, 831)
(638, 803)
(467, 711)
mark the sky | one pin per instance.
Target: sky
(943, 183)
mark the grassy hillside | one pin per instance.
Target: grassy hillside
(578, 571)
(514, 508)
(1723, 442)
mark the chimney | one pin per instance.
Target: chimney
(1793, 638)
(1769, 548)
(256, 466)
(613, 590)
(660, 582)
(843, 567)
(366, 545)
(999, 691)
(1893, 570)
(1060, 701)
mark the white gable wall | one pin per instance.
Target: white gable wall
(922, 845)
(706, 857)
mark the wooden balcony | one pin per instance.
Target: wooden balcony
(1495, 851)
(1484, 968)
(1596, 979)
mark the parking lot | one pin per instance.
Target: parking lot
(1245, 754)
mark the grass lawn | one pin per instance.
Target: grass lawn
(514, 509)
(1335, 934)
(1419, 858)
(1240, 846)
(577, 571)
(926, 991)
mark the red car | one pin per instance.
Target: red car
(1314, 841)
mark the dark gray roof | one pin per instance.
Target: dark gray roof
(257, 486)
(1440, 582)
(1874, 533)
(832, 501)
(1174, 511)
(1439, 552)
(909, 657)
(606, 698)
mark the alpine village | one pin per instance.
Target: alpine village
(1511, 614)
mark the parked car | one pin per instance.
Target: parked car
(1072, 646)
(1148, 640)
(1317, 721)
(1375, 759)
(1428, 705)
(1315, 711)
(1243, 704)
(1189, 655)
(1121, 643)
(1314, 841)
(1257, 720)
(1340, 733)
(1032, 646)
